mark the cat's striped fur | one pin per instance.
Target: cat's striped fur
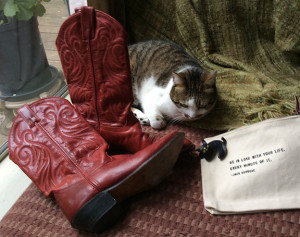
(168, 84)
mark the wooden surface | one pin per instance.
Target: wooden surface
(49, 24)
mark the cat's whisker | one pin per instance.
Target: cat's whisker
(170, 122)
(175, 120)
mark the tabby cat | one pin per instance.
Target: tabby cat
(168, 84)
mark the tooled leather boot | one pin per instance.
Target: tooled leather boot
(66, 158)
(93, 50)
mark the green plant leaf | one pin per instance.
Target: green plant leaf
(10, 8)
(39, 10)
(24, 15)
(26, 3)
(25, 9)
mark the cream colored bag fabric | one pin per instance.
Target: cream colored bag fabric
(260, 172)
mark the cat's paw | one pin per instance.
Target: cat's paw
(158, 122)
(140, 116)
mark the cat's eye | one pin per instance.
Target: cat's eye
(204, 107)
(183, 105)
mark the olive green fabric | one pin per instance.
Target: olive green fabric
(253, 45)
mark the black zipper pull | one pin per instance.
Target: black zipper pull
(208, 150)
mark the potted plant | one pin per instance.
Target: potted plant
(25, 74)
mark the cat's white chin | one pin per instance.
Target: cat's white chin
(191, 119)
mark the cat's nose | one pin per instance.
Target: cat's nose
(186, 115)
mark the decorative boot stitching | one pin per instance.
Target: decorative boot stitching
(34, 121)
(94, 84)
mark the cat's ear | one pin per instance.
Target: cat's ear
(178, 79)
(209, 78)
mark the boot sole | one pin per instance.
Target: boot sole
(104, 209)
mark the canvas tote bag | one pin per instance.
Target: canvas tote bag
(260, 172)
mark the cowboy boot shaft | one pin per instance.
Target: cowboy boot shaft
(57, 150)
(76, 60)
(50, 139)
(93, 50)
(94, 56)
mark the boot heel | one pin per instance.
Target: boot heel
(98, 214)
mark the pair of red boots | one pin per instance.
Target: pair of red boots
(65, 150)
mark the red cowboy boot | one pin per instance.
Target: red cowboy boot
(93, 50)
(66, 158)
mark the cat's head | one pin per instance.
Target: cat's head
(194, 93)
